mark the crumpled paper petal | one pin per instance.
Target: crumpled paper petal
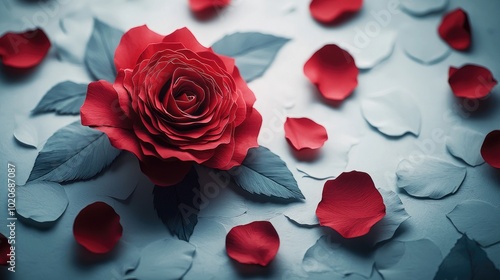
(477, 219)
(393, 113)
(465, 144)
(330, 11)
(432, 178)
(490, 150)
(304, 133)
(253, 243)
(97, 228)
(333, 71)
(455, 29)
(24, 50)
(471, 81)
(351, 205)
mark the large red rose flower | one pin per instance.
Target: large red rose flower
(174, 103)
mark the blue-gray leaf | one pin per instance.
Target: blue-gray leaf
(467, 261)
(74, 152)
(99, 55)
(263, 172)
(254, 52)
(65, 98)
(178, 205)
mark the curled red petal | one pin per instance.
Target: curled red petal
(490, 150)
(97, 228)
(253, 243)
(471, 81)
(4, 249)
(199, 6)
(102, 108)
(455, 29)
(132, 44)
(304, 133)
(24, 50)
(351, 204)
(333, 71)
(330, 11)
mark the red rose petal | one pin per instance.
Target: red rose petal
(24, 50)
(132, 44)
(199, 6)
(102, 108)
(330, 11)
(351, 204)
(455, 29)
(471, 81)
(253, 243)
(4, 249)
(333, 71)
(304, 133)
(97, 228)
(490, 150)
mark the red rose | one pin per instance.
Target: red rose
(174, 103)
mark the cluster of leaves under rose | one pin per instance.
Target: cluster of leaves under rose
(162, 107)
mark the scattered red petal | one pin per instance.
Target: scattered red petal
(490, 150)
(253, 243)
(455, 29)
(24, 50)
(330, 11)
(303, 133)
(4, 249)
(351, 204)
(199, 6)
(97, 227)
(471, 81)
(333, 71)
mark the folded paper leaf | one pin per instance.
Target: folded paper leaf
(304, 133)
(254, 52)
(394, 113)
(351, 205)
(253, 243)
(420, 260)
(477, 219)
(167, 259)
(97, 228)
(328, 11)
(467, 260)
(74, 152)
(423, 7)
(455, 29)
(178, 205)
(431, 178)
(333, 71)
(199, 6)
(465, 144)
(471, 81)
(41, 201)
(24, 50)
(490, 150)
(65, 98)
(100, 51)
(264, 173)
